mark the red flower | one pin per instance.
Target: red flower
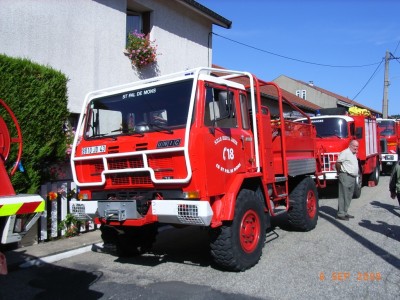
(52, 196)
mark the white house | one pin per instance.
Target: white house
(86, 39)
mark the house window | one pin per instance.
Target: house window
(133, 22)
(137, 21)
(302, 94)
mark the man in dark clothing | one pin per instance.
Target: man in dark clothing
(394, 185)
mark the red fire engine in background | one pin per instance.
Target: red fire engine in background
(335, 129)
(389, 135)
(18, 213)
(193, 149)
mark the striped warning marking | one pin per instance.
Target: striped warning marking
(21, 204)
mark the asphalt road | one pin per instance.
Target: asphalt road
(356, 259)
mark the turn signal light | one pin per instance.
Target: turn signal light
(191, 195)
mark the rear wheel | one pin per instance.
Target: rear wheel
(304, 207)
(237, 245)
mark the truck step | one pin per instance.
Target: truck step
(277, 210)
(280, 179)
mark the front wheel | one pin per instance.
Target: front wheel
(237, 245)
(358, 185)
(374, 176)
(304, 207)
(129, 241)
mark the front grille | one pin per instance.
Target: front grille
(141, 178)
(141, 147)
(329, 160)
(113, 149)
(119, 179)
(164, 166)
(130, 171)
(125, 163)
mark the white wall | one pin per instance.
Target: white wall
(85, 40)
(313, 96)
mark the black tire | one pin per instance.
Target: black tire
(387, 169)
(237, 245)
(129, 241)
(108, 234)
(304, 205)
(374, 176)
(358, 185)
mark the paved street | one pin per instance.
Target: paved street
(356, 259)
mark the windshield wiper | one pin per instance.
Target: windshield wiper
(102, 135)
(128, 131)
(163, 128)
(96, 135)
(329, 135)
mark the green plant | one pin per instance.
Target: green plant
(71, 225)
(140, 50)
(38, 97)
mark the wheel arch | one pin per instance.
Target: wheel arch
(229, 199)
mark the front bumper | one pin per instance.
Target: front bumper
(164, 211)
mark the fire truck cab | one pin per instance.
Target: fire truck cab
(389, 134)
(334, 133)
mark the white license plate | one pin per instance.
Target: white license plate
(94, 149)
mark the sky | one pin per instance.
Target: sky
(340, 45)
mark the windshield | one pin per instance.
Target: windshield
(385, 127)
(158, 108)
(330, 127)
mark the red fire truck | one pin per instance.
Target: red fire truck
(193, 148)
(389, 134)
(335, 131)
(18, 213)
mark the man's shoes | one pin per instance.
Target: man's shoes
(343, 218)
(350, 216)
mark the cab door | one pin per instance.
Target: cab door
(228, 146)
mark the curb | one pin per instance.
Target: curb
(30, 261)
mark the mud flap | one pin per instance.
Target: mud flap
(3, 264)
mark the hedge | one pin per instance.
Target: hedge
(38, 97)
